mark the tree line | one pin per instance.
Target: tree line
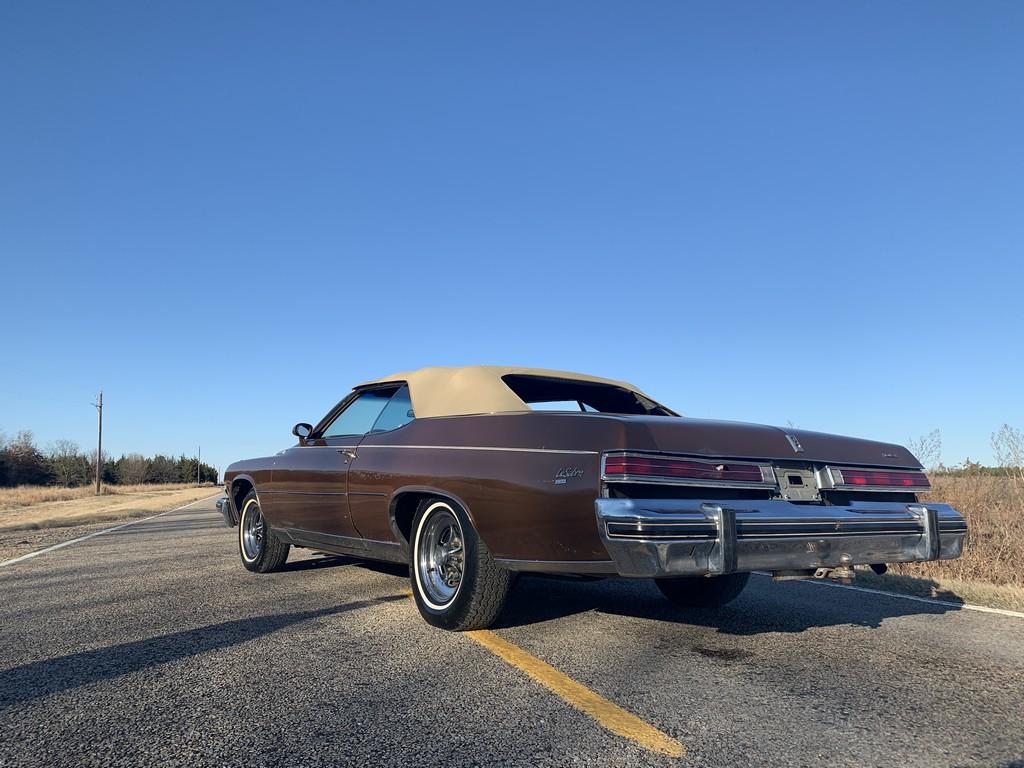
(22, 462)
(1007, 447)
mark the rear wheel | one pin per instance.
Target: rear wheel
(260, 549)
(455, 580)
(703, 591)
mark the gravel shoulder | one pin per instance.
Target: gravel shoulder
(26, 529)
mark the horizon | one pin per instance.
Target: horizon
(226, 218)
(912, 442)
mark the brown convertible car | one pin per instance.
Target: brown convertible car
(470, 475)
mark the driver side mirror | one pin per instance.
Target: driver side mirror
(302, 430)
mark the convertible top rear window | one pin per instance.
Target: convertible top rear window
(542, 393)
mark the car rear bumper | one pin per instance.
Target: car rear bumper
(683, 537)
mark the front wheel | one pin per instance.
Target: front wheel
(703, 591)
(455, 580)
(260, 549)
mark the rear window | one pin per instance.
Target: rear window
(562, 405)
(542, 393)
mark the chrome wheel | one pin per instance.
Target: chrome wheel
(440, 558)
(253, 530)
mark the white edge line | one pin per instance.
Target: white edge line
(100, 533)
(916, 599)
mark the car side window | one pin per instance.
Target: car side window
(359, 415)
(397, 413)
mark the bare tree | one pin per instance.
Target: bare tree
(66, 462)
(1008, 447)
(131, 469)
(927, 448)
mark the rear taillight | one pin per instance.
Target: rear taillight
(635, 467)
(850, 479)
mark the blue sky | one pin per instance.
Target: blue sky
(226, 214)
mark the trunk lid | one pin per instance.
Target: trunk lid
(738, 440)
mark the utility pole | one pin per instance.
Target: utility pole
(98, 405)
(199, 463)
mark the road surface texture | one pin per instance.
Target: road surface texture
(151, 645)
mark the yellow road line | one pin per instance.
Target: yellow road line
(608, 715)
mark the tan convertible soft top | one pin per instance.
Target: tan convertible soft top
(440, 391)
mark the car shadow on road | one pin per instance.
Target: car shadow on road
(762, 607)
(39, 679)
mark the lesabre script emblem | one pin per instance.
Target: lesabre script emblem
(565, 473)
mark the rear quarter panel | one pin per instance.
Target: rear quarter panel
(528, 481)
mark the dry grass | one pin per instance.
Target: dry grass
(952, 590)
(19, 512)
(28, 495)
(989, 572)
(994, 508)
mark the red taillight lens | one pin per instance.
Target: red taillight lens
(881, 478)
(619, 467)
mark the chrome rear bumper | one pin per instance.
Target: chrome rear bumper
(683, 537)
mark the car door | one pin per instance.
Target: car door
(372, 473)
(310, 481)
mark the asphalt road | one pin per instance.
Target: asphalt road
(151, 645)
